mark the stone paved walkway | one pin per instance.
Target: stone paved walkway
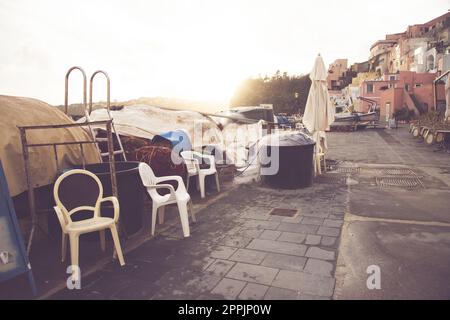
(237, 250)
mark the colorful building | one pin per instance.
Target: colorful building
(405, 89)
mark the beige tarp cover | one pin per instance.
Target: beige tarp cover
(16, 111)
(147, 121)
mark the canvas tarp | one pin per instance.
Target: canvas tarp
(17, 111)
(147, 121)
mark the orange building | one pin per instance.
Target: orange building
(405, 89)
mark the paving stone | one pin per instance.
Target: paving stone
(276, 218)
(274, 293)
(278, 247)
(304, 296)
(333, 223)
(292, 237)
(336, 216)
(328, 231)
(248, 256)
(315, 214)
(305, 283)
(283, 261)
(228, 288)
(328, 241)
(250, 233)
(312, 239)
(270, 235)
(236, 241)
(318, 253)
(252, 273)
(256, 215)
(253, 291)
(312, 220)
(294, 219)
(222, 252)
(202, 283)
(260, 224)
(299, 228)
(220, 267)
(320, 267)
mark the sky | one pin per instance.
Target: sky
(191, 49)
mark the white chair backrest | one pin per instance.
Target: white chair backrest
(148, 178)
(202, 158)
(77, 190)
(147, 175)
(188, 156)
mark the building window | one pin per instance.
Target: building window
(370, 88)
(418, 85)
(430, 62)
(407, 86)
(392, 78)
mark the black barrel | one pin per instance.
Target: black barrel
(287, 160)
(130, 192)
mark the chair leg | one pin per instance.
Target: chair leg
(74, 248)
(182, 209)
(324, 164)
(198, 182)
(217, 182)
(161, 212)
(315, 165)
(187, 182)
(154, 214)
(201, 180)
(102, 240)
(117, 246)
(191, 210)
(63, 246)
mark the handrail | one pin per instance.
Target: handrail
(108, 90)
(66, 95)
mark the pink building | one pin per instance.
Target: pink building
(408, 89)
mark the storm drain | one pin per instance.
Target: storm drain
(330, 178)
(350, 170)
(398, 172)
(401, 182)
(283, 212)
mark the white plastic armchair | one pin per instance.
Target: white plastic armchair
(80, 190)
(191, 159)
(178, 196)
(319, 156)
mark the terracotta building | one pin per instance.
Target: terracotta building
(405, 89)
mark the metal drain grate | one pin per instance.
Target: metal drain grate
(351, 170)
(401, 182)
(283, 212)
(398, 172)
(329, 178)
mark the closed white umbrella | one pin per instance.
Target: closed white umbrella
(319, 111)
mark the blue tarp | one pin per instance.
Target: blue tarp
(178, 139)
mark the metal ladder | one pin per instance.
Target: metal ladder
(87, 112)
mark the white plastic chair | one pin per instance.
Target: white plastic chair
(193, 166)
(80, 190)
(319, 155)
(178, 196)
